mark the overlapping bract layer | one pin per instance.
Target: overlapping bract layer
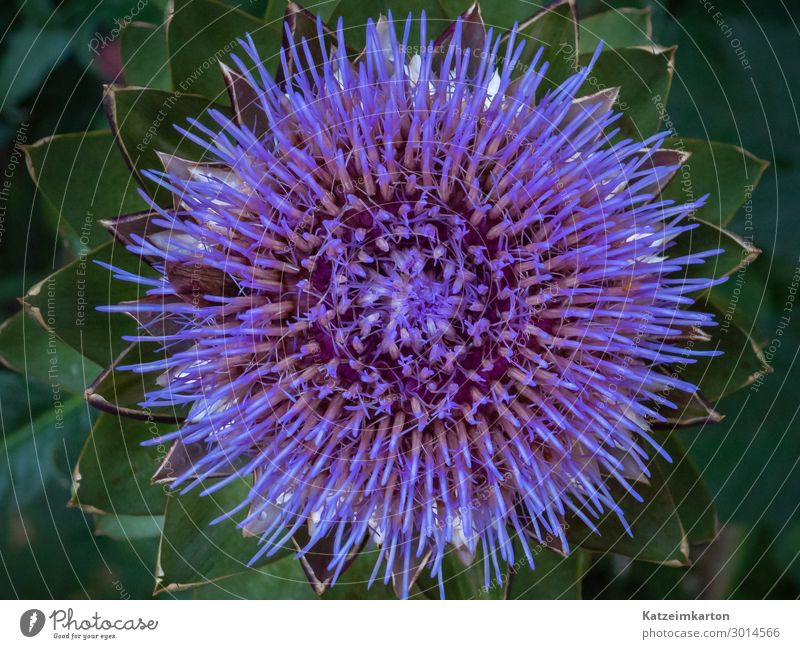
(414, 302)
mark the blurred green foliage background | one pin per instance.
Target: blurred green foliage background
(51, 81)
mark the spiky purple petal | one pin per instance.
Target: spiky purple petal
(446, 303)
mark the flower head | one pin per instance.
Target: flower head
(417, 301)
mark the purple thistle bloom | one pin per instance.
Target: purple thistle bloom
(414, 303)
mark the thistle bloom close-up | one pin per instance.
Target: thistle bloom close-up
(420, 302)
(413, 301)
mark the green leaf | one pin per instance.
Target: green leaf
(276, 10)
(144, 54)
(657, 534)
(727, 172)
(128, 528)
(553, 576)
(503, 15)
(121, 391)
(192, 552)
(66, 302)
(38, 355)
(692, 410)
(40, 450)
(352, 583)
(143, 121)
(692, 498)
(18, 412)
(439, 14)
(644, 76)
(466, 581)
(254, 7)
(742, 362)
(283, 579)
(555, 29)
(83, 176)
(625, 27)
(30, 53)
(202, 33)
(114, 469)
(737, 251)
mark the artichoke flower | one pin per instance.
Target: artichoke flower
(422, 315)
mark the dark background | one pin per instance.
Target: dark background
(50, 82)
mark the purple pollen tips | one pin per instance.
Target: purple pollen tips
(415, 302)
